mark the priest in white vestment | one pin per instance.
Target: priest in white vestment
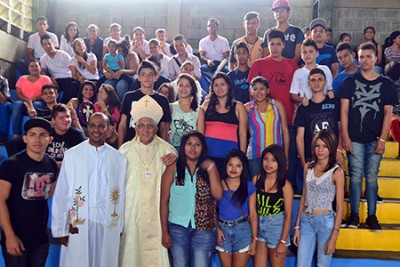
(141, 240)
(88, 204)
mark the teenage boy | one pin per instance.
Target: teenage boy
(251, 23)
(327, 53)
(293, 34)
(321, 113)
(182, 55)
(162, 36)
(367, 101)
(56, 63)
(34, 47)
(278, 71)
(345, 56)
(155, 50)
(26, 182)
(212, 49)
(64, 136)
(239, 75)
(300, 89)
(147, 75)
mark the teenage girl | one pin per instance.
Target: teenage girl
(274, 208)
(237, 221)
(317, 224)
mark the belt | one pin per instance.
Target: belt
(232, 223)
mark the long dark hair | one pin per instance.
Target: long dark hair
(329, 138)
(195, 103)
(112, 100)
(241, 194)
(181, 162)
(66, 31)
(94, 97)
(125, 45)
(85, 54)
(213, 99)
(279, 154)
(373, 39)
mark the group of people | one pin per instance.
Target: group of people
(208, 162)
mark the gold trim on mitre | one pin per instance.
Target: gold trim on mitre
(146, 107)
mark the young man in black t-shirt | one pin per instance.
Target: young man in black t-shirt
(26, 182)
(367, 101)
(147, 75)
(321, 113)
(64, 135)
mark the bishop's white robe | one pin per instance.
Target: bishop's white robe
(89, 197)
(141, 240)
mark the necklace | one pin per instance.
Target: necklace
(147, 173)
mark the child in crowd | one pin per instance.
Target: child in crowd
(112, 61)
(155, 50)
(267, 123)
(237, 216)
(274, 207)
(83, 64)
(162, 36)
(187, 211)
(167, 90)
(70, 34)
(185, 111)
(108, 102)
(316, 223)
(239, 74)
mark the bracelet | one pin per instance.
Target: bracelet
(339, 150)
(382, 140)
(254, 238)
(335, 229)
(282, 241)
(296, 227)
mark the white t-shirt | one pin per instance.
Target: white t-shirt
(175, 69)
(164, 65)
(214, 49)
(300, 86)
(34, 43)
(57, 66)
(84, 71)
(66, 46)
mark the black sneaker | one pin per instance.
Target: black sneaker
(354, 221)
(372, 224)
(343, 224)
(379, 200)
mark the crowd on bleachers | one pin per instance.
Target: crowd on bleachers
(249, 125)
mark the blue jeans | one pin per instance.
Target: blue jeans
(121, 86)
(314, 229)
(270, 229)
(32, 257)
(18, 112)
(5, 113)
(364, 163)
(207, 73)
(237, 237)
(191, 247)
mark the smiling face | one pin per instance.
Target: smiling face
(62, 122)
(138, 36)
(180, 47)
(259, 92)
(184, 88)
(49, 96)
(97, 128)
(48, 46)
(87, 92)
(34, 68)
(154, 49)
(220, 87)
(309, 54)
(102, 94)
(115, 32)
(79, 47)
(146, 129)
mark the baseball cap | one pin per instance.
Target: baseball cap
(318, 22)
(280, 3)
(37, 122)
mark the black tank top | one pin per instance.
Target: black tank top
(269, 203)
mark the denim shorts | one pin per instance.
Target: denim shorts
(237, 237)
(270, 229)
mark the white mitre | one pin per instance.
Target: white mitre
(146, 107)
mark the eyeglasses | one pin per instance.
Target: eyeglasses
(141, 126)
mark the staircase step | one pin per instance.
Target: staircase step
(387, 212)
(389, 187)
(388, 168)
(391, 150)
(365, 239)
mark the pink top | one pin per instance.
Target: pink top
(32, 89)
(116, 115)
